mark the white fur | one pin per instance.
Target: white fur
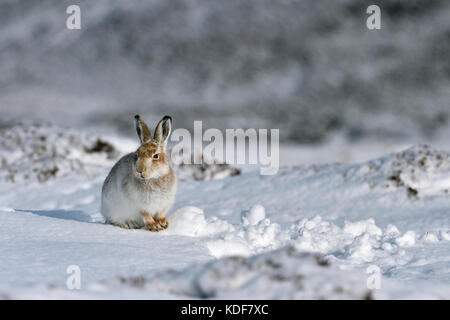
(124, 195)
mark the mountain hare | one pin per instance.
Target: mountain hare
(141, 186)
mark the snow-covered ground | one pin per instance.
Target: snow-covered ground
(310, 231)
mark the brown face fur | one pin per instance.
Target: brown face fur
(147, 166)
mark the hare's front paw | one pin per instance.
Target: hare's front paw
(162, 221)
(152, 224)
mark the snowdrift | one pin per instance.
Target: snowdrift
(306, 67)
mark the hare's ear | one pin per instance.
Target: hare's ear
(142, 130)
(163, 129)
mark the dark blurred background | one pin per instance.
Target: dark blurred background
(308, 67)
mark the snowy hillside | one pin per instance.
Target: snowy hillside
(307, 66)
(307, 232)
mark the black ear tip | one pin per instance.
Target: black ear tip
(136, 117)
(167, 118)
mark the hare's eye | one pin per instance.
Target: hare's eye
(156, 156)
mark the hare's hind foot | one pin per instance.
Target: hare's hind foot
(130, 224)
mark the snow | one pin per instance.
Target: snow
(407, 240)
(305, 68)
(358, 194)
(310, 231)
(254, 215)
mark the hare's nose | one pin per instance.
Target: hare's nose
(139, 170)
